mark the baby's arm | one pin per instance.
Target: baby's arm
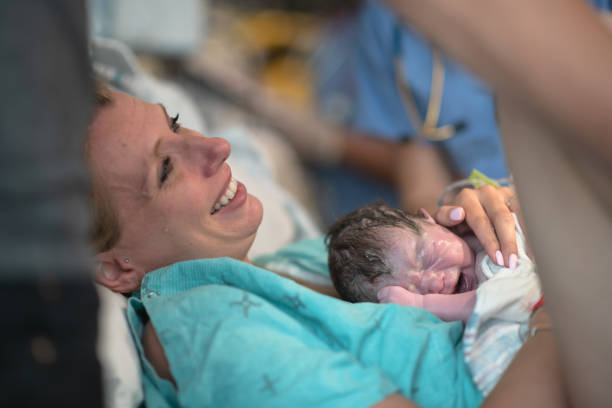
(447, 307)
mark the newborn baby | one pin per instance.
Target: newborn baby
(381, 254)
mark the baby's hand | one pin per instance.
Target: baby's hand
(400, 296)
(447, 307)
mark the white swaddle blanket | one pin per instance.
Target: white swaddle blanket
(504, 302)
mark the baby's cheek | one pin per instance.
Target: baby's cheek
(450, 281)
(439, 281)
(431, 283)
(420, 282)
(413, 282)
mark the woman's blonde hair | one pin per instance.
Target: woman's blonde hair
(105, 229)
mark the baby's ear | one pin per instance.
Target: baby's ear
(427, 216)
(118, 276)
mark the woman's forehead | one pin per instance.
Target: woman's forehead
(126, 122)
(122, 138)
(118, 118)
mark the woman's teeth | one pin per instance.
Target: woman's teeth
(227, 196)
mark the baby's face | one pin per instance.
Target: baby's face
(437, 261)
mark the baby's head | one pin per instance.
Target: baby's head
(377, 246)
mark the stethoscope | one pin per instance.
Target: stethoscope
(428, 129)
(425, 129)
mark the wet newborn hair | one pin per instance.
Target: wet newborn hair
(357, 248)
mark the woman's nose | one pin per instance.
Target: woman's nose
(209, 153)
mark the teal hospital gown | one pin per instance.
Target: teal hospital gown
(236, 335)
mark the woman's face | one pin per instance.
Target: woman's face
(166, 184)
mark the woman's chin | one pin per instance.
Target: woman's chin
(256, 208)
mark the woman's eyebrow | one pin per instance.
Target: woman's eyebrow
(156, 147)
(165, 113)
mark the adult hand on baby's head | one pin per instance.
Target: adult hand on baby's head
(486, 212)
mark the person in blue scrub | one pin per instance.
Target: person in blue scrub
(415, 119)
(432, 119)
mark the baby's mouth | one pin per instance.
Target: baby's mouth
(462, 284)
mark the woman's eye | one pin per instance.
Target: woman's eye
(166, 169)
(175, 125)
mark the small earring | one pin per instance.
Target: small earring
(126, 260)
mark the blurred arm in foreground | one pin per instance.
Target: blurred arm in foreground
(549, 63)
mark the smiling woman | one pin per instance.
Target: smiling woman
(168, 183)
(216, 330)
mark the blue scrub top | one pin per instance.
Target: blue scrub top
(378, 107)
(355, 67)
(602, 5)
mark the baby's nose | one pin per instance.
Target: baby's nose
(433, 282)
(436, 284)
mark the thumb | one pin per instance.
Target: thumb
(450, 216)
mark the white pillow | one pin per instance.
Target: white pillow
(117, 353)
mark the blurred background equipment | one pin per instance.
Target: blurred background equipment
(158, 27)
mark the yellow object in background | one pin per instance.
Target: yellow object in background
(281, 42)
(267, 29)
(290, 79)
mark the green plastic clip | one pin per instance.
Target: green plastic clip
(478, 179)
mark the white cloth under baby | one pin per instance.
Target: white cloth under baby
(504, 302)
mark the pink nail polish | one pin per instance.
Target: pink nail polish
(499, 258)
(513, 261)
(456, 214)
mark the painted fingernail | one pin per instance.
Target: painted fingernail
(499, 258)
(456, 214)
(513, 261)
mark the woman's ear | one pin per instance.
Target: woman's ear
(119, 275)
(427, 216)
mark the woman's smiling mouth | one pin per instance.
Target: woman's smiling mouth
(227, 196)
